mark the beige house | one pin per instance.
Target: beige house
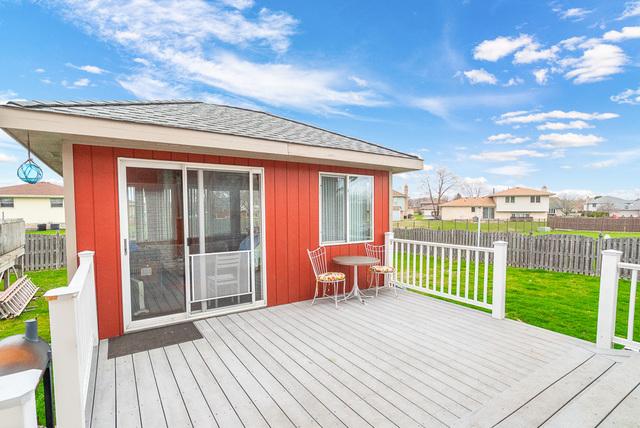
(40, 203)
(513, 204)
(401, 204)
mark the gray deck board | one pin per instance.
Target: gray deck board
(410, 361)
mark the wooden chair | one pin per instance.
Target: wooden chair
(333, 280)
(387, 273)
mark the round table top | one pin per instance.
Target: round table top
(355, 260)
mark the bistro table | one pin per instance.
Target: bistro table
(355, 261)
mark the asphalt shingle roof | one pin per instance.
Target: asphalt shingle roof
(214, 118)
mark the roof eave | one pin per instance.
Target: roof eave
(79, 129)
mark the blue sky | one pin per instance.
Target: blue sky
(500, 92)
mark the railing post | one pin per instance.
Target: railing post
(65, 316)
(608, 298)
(499, 279)
(388, 253)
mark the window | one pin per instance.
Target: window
(56, 202)
(510, 199)
(473, 209)
(346, 208)
(6, 202)
(535, 199)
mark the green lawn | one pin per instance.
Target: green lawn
(46, 280)
(45, 232)
(525, 227)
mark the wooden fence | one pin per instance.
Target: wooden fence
(601, 224)
(558, 253)
(44, 252)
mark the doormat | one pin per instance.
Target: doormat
(151, 339)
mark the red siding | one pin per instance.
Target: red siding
(291, 211)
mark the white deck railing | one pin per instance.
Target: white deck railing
(608, 301)
(467, 274)
(74, 338)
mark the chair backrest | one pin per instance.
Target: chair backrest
(318, 259)
(375, 251)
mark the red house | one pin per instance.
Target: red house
(197, 209)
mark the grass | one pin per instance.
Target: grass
(46, 232)
(525, 227)
(46, 280)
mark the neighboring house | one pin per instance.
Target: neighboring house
(401, 204)
(40, 203)
(561, 208)
(197, 209)
(615, 207)
(423, 206)
(514, 203)
(468, 209)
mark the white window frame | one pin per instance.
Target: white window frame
(373, 205)
(56, 199)
(535, 199)
(509, 199)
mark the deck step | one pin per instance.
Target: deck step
(510, 401)
(615, 389)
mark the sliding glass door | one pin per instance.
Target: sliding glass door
(192, 240)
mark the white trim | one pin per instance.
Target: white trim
(123, 163)
(69, 206)
(373, 205)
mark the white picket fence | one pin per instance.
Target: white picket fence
(466, 274)
(607, 305)
(74, 340)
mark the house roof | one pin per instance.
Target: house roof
(398, 194)
(214, 118)
(523, 191)
(39, 189)
(484, 201)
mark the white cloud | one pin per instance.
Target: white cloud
(445, 105)
(359, 81)
(541, 75)
(39, 70)
(238, 4)
(627, 33)
(572, 43)
(519, 170)
(561, 126)
(7, 95)
(632, 8)
(479, 76)
(185, 40)
(493, 50)
(568, 140)
(7, 158)
(149, 88)
(574, 13)
(532, 53)
(81, 83)
(506, 139)
(505, 156)
(615, 158)
(521, 117)
(597, 63)
(629, 96)
(93, 69)
(514, 81)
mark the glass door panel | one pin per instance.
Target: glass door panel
(155, 242)
(220, 241)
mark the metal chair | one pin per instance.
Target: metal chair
(380, 270)
(318, 259)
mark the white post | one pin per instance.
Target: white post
(388, 253)
(608, 298)
(499, 279)
(66, 322)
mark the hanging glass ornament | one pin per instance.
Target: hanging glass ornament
(29, 171)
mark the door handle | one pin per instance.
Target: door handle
(125, 246)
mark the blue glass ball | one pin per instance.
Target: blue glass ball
(29, 172)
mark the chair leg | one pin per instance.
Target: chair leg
(377, 284)
(336, 287)
(393, 284)
(315, 295)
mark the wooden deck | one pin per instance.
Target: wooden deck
(411, 361)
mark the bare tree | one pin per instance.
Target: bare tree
(472, 189)
(567, 205)
(437, 185)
